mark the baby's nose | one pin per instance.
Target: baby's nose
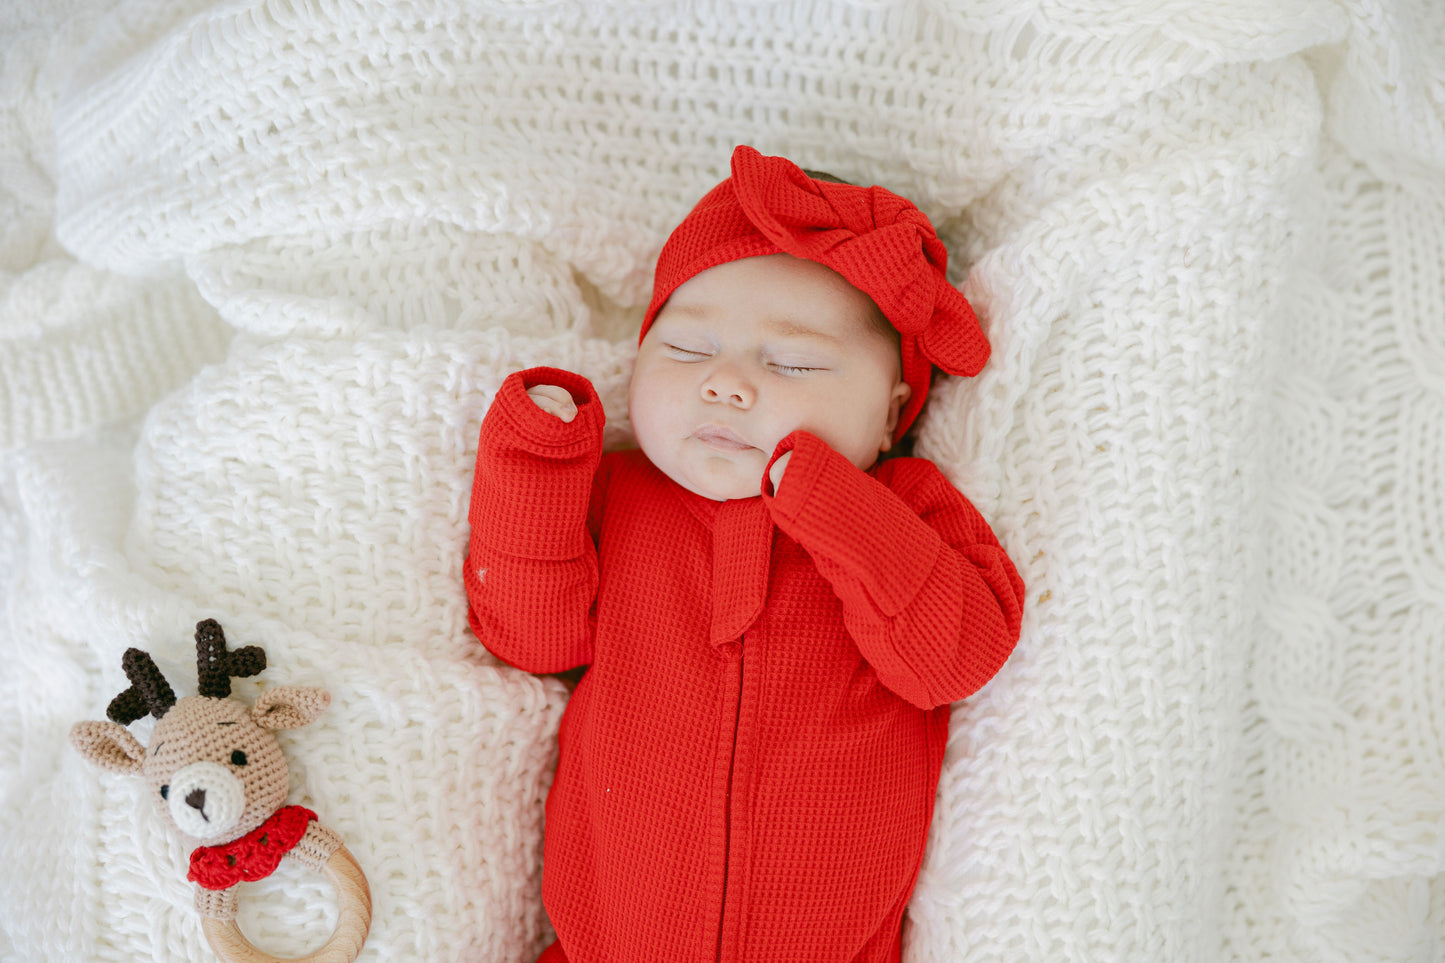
(729, 386)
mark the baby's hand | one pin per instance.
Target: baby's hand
(553, 400)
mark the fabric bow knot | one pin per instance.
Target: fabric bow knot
(878, 241)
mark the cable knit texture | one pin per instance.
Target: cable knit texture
(265, 264)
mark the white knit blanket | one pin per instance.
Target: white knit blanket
(263, 264)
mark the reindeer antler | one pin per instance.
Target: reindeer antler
(149, 691)
(215, 666)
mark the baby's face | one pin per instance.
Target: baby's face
(744, 353)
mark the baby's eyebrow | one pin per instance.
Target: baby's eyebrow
(781, 326)
(788, 328)
(687, 310)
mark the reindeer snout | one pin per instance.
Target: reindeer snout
(205, 800)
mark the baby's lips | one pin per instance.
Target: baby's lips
(719, 437)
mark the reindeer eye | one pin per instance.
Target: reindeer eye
(165, 792)
(238, 758)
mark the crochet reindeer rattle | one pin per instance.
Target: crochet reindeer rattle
(218, 775)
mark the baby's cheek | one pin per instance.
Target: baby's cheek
(856, 441)
(648, 427)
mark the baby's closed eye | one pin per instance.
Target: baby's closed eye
(795, 368)
(686, 354)
(797, 362)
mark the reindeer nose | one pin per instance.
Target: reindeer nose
(206, 800)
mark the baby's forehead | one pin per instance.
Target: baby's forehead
(779, 296)
(842, 325)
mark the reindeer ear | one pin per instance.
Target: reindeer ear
(108, 746)
(289, 706)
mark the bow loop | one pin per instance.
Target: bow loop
(906, 290)
(787, 206)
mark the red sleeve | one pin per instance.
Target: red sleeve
(931, 599)
(531, 568)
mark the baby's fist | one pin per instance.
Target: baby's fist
(554, 400)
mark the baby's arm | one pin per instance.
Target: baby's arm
(931, 599)
(531, 569)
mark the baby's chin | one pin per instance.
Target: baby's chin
(718, 489)
(722, 494)
(720, 479)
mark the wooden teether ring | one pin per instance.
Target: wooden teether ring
(353, 901)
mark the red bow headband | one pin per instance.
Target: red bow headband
(878, 241)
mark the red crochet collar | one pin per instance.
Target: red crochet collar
(252, 856)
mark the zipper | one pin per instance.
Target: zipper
(728, 807)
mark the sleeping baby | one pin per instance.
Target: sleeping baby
(774, 621)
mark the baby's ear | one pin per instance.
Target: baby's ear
(902, 391)
(109, 746)
(289, 706)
